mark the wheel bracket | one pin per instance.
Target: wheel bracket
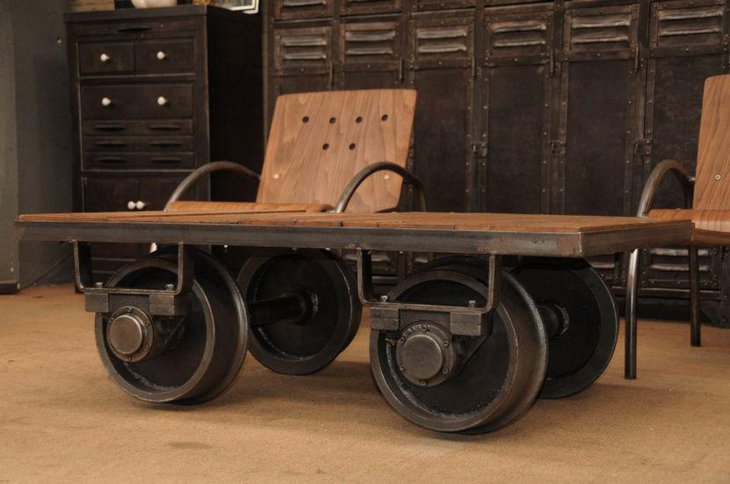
(389, 316)
(170, 301)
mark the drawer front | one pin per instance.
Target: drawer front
(99, 58)
(138, 144)
(172, 127)
(165, 56)
(141, 161)
(136, 29)
(137, 101)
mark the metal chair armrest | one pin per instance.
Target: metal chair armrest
(657, 176)
(206, 170)
(369, 170)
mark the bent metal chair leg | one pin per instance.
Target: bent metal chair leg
(632, 295)
(663, 169)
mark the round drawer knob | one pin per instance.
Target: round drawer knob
(106, 102)
(105, 58)
(163, 101)
(131, 205)
(161, 55)
(140, 205)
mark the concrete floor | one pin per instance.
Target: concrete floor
(61, 418)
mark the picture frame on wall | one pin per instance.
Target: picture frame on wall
(245, 6)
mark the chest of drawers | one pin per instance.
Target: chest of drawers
(157, 93)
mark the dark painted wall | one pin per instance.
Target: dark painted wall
(8, 160)
(36, 125)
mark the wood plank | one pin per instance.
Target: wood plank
(712, 190)
(320, 141)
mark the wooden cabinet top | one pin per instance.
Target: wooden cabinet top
(153, 13)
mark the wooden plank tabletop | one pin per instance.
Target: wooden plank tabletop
(558, 235)
(487, 222)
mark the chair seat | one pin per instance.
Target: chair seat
(712, 227)
(223, 207)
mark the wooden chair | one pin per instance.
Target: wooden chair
(323, 151)
(707, 205)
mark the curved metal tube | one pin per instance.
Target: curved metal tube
(205, 170)
(632, 279)
(355, 183)
(654, 181)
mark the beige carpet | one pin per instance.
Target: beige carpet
(61, 419)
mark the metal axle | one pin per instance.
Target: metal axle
(290, 308)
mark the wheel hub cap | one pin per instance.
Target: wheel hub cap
(425, 354)
(130, 334)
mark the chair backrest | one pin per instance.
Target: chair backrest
(712, 188)
(319, 141)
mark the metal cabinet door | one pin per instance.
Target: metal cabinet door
(301, 59)
(687, 44)
(441, 67)
(514, 109)
(600, 87)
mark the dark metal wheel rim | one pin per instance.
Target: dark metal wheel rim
(236, 344)
(566, 378)
(522, 381)
(263, 276)
(220, 360)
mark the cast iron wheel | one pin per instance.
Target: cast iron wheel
(494, 387)
(581, 318)
(204, 351)
(329, 321)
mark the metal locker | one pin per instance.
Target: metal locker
(441, 67)
(599, 92)
(513, 146)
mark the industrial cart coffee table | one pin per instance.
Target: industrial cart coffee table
(464, 344)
